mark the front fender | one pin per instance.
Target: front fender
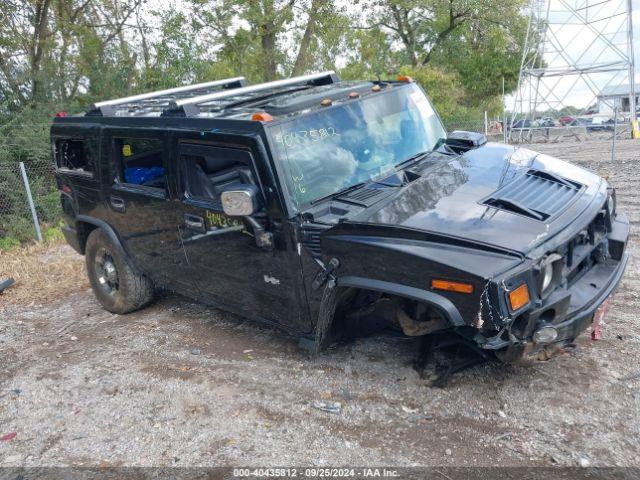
(442, 304)
(406, 268)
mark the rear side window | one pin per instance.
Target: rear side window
(207, 171)
(140, 161)
(75, 155)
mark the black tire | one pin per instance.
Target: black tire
(115, 283)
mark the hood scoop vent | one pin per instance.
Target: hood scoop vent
(364, 196)
(536, 194)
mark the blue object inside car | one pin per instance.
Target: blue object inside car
(142, 175)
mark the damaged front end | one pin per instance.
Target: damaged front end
(568, 289)
(370, 277)
(545, 303)
(515, 306)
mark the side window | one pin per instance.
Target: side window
(74, 155)
(139, 161)
(207, 171)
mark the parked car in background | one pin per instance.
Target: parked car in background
(520, 124)
(546, 122)
(567, 121)
(601, 124)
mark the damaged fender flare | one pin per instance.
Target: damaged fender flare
(325, 315)
(444, 305)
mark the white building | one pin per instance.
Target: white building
(611, 97)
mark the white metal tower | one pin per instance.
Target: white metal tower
(578, 53)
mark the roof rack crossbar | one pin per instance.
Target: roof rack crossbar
(189, 106)
(105, 107)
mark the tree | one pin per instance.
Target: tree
(267, 39)
(50, 50)
(483, 57)
(423, 26)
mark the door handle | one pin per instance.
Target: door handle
(194, 222)
(118, 204)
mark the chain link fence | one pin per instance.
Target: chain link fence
(26, 144)
(20, 216)
(596, 128)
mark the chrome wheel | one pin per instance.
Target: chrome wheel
(106, 272)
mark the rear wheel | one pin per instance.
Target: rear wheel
(115, 283)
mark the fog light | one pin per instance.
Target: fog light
(545, 334)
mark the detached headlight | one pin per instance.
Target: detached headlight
(546, 272)
(550, 269)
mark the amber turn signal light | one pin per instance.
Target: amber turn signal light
(519, 297)
(405, 79)
(261, 117)
(452, 286)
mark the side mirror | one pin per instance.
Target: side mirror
(240, 200)
(461, 141)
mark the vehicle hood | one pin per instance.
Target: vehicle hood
(447, 198)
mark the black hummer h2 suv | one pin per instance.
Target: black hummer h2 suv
(314, 203)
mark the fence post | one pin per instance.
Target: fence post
(504, 128)
(486, 124)
(27, 188)
(615, 133)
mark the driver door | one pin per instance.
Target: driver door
(230, 269)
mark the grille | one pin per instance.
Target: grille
(586, 249)
(536, 194)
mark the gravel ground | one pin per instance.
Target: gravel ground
(182, 384)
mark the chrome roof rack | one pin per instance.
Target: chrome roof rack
(161, 98)
(189, 106)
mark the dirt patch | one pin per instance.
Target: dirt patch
(182, 384)
(43, 273)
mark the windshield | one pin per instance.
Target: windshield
(330, 150)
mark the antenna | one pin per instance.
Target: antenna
(189, 106)
(107, 107)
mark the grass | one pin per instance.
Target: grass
(43, 271)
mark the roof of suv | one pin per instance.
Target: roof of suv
(232, 99)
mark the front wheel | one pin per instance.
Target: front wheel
(115, 283)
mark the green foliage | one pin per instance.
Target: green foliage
(16, 226)
(370, 55)
(442, 88)
(108, 48)
(484, 63)
(52, 234)
(9, 242)
(25, 138)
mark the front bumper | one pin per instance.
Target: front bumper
(603, 279)
(571, 310)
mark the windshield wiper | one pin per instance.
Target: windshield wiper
(412, 159)
(339, 192)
